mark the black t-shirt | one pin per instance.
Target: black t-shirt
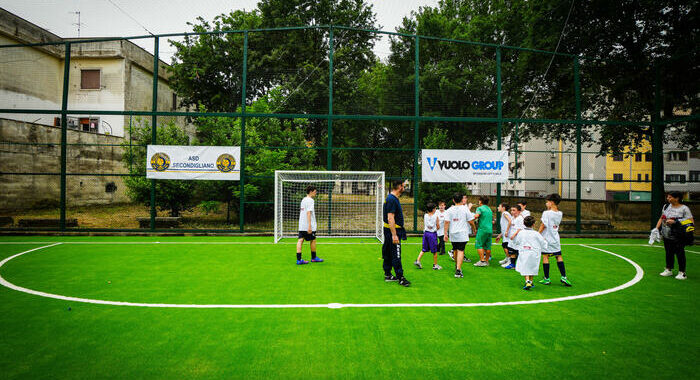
(392, 205)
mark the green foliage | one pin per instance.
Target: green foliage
(210, 206)
(172, 195)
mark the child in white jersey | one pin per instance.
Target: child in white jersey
(517, 225)
(523, 205)
(441, 213)
(456, 229)
(505, 222)
(307, 226)
(530, 246)
(551, 219)
(431, 224)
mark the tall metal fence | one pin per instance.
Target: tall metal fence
(77, 115)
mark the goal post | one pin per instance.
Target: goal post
(347, 204)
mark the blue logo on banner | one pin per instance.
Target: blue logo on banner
(465, 165)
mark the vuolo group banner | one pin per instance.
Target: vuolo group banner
(193, 162)
(465, 166)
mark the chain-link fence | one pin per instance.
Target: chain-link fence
(77, 116)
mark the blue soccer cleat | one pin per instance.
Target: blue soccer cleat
(317, 260)
(510, 266)
(302, 262)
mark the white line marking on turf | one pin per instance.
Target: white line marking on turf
(638, 277)
(271, 243)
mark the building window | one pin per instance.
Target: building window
(695, 176)
(647, 157)
(174, 107)
(618, 157)
(678, 156)
(695, 154)
(646, 177)
(553, 166)
(90, 79)
(617, 177)
(638, 157)
(639, 178)
(675, 178)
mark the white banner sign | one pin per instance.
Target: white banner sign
(193, 162)
(465, 166)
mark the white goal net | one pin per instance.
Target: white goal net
(348, 204)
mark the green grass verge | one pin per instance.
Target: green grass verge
(646, 331)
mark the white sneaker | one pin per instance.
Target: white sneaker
(418, 264)
(452, 255)
(666, 273)
(505, 264)
(436, 267)
(481, 264)
(681, 276)
(503, 261)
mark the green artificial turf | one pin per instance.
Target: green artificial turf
(645, 331)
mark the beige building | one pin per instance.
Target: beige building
(108, 75)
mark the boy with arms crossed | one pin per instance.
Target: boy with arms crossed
(551, 219)
(518, 224)
(505, 222)
(456, 229)
(307, 226)
(431, 223)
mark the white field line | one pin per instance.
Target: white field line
(272, 243)
(638, 276)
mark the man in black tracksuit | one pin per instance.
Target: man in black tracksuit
(394, 232)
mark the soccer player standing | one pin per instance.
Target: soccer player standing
(441, 212)
(551, 219)
(394, 232)
(516, 226)
(530, 245)
(457, 230)
(506, 220)
(307, 226)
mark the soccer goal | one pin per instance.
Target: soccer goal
(348, 204)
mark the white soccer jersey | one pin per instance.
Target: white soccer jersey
(307, 204)
(551, 221)
(504, 226)
(530, 247)
(430, 222)
(518, 223)
(525, 213)
(441, 217)
(459, 216)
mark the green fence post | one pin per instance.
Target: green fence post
(416, 131)
(577, 90)
(244, 79)
(657, 146)
(64, 136)
(154, 123)
(329, 147)
(499, 142)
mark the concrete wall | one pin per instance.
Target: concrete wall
(31, 191)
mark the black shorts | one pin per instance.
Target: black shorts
(459, 245)
(512, 251)
(307, 236)
(552, 253)
(505, 246)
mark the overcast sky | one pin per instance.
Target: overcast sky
(104, 18)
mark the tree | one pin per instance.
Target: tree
(207, 69)
(623, 42)
(172, 195)
(266, 139)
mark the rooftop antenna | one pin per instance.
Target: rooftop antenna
(78, 24)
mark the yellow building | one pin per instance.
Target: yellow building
(631, 165)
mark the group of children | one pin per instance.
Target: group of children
(523, 246)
